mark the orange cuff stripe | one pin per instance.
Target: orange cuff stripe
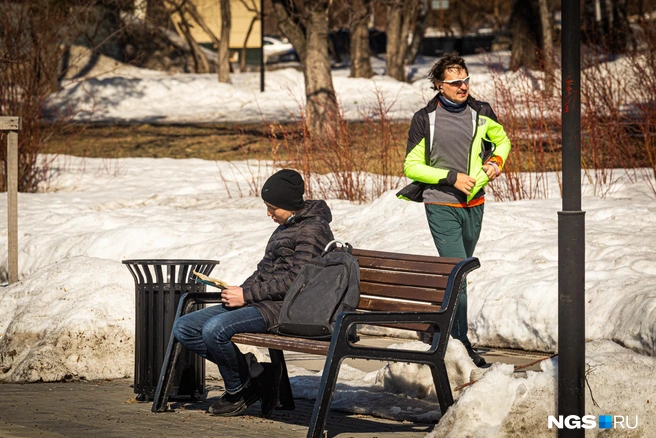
(496, 160)
(473, 203)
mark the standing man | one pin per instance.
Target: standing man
(455, 147)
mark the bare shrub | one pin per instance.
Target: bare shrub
(33, 38)
(357, 161)
(643, 125)
(618, 123)
(529, 116)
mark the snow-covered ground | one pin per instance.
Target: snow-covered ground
(122, 93)
(72, 312)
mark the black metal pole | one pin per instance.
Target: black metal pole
(262, 46)
(571, 230)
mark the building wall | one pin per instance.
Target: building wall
(210, 10)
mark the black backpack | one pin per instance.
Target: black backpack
(326, 286)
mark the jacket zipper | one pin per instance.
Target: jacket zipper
(471, 147)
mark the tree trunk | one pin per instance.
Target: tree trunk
(418, 31)
(619, 29)
(292, 26)
(257, 15)
(525, 41)
(321, 106)
(200, 60)
(400, 16)
(498, 19)
(359, 45)
(305, 24)
(606, 25)
(547, 47)
(224, 44)
(393, 59)
(242, 57)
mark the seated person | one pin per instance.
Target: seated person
(254, 307)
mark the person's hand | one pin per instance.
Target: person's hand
(233, 296)
(464, 183)
(491, 171)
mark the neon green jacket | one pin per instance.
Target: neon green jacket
(489, 144)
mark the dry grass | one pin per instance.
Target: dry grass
(205, 141)
(222, 141)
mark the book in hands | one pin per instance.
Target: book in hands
(201, 278)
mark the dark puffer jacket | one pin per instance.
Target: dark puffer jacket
(290, 246)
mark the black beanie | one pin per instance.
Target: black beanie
(284, 189)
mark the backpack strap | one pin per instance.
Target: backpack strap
(332, 245)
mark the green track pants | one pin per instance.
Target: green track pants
(455, 232)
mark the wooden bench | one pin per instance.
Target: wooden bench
(397, 290)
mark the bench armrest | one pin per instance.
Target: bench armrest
(456, 281)
(441, 320)
(347, 320)
(190, 299)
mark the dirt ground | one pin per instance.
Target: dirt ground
(205, 141)
(228, 141)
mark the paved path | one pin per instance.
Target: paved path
(108, 408)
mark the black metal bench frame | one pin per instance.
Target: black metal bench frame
(418, 277)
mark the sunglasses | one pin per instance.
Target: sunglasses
(457, 82)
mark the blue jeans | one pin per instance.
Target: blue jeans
(207, 332)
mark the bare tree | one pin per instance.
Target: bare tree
(468, 16)
(34, 37)
(606, 24)
(224, 45)
(532, 38)
(359, 45)
(498, 19)
(182, 8)
(185, 8)
(547, 47)
(305, 24)
(525, 25)
(418, 31)
(251, 7)
(401, 15)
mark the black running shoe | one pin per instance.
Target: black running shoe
(234, 404)
(478, 360)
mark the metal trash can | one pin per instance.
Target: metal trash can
(159, 284)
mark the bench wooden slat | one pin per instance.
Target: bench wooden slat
(278, 342)
(409, 257)
(405, 265)
(403, 278)
(373, 304)
(404, 292)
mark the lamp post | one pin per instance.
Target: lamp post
(261, 46)
(571, 230)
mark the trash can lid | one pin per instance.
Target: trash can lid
(169, 262)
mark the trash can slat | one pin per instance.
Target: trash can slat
(156, 301)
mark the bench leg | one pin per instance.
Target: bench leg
(286, 396)
(166, 375)
(442, 387)
(322, 403)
